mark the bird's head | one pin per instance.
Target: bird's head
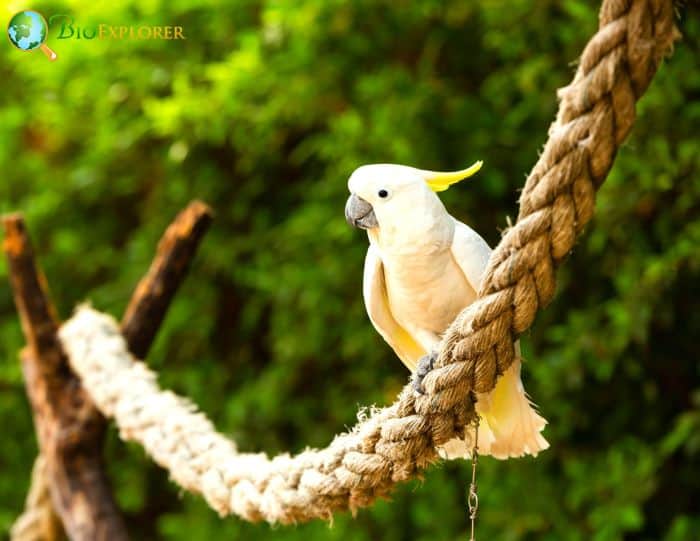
(380, 192)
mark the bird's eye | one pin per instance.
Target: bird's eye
(382, 193)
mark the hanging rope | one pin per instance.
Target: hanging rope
(394, 443)
(38, 522)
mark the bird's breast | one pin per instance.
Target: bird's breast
(427, 292)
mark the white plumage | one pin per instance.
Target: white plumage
(422, 268)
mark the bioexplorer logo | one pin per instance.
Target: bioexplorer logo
(28, 31)
(68, 29)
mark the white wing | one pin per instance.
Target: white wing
(377, 304)
(470, 252)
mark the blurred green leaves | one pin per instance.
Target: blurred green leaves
(264, 111)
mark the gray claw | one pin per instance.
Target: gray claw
(425, 365)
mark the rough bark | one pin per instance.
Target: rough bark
(155, 291)
(69, 428)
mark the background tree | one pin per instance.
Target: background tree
(263, 111)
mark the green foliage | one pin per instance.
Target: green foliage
(264, 111)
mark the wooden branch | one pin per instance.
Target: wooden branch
(155, 291)
(69, 428)
(36, 313)
(50, 384)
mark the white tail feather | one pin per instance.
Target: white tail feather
(509, 427)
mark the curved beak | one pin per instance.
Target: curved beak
(359, 213)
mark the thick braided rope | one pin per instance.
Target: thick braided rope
(394, 443)
(596, 113)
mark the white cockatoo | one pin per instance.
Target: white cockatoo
(423, 267)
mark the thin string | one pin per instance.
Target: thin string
(472, 497)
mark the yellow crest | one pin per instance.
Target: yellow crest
(439, 182)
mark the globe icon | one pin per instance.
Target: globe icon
(28, 30)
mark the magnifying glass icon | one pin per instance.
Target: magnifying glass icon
(28, 31)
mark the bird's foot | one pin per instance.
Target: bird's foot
(425, 365)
